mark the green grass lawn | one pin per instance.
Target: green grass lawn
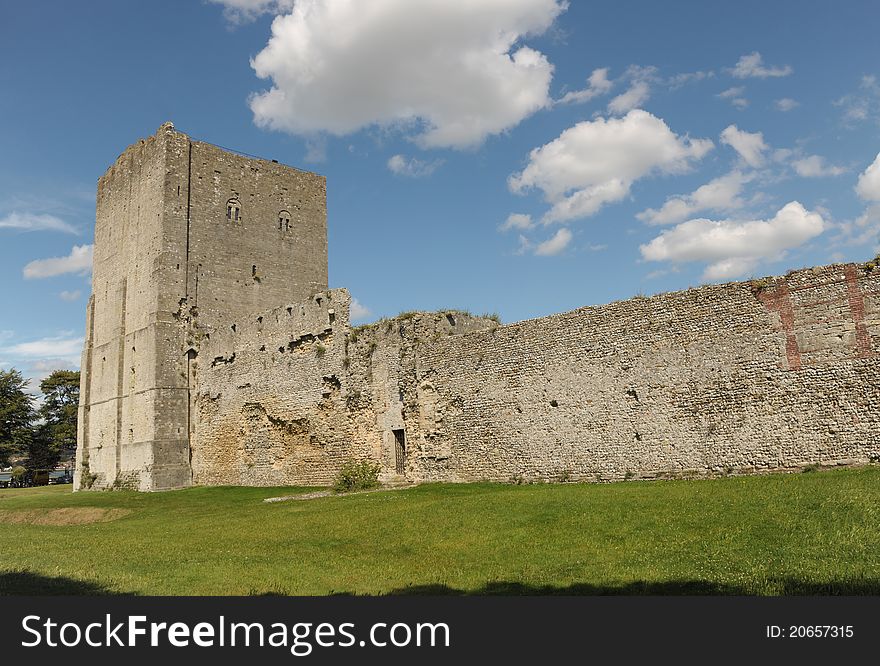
(816, 533)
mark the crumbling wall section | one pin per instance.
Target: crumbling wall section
(288, 396)
(270, 395)
(385, 361)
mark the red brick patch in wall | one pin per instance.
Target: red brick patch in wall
(779, 300)
(857, 307)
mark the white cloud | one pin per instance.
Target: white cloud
(730, 269)
(782, 155)
(50, 364)
(861, 105)
(242, 11)
(37, 359)
(55, 347)
(736, 91)
(597, 85)
(554, 245)
(752, 66)
(720, 194)
(786, 104)
(587, 202)
(595, 162)
(679, 80)
(662, 272)
(358, 311)
(78, 261)
(316, 149)
(517, 221)
(813, 166)
(524, 245)
(750, 146)
(855, 109)
(732, 247)
(868, 186)
(637, 94)
(39, 370)
(735, 96)
(863, 232)
(70, 295)
(452, 71)
(412, 167)
(34, 222)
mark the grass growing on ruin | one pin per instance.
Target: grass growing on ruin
(781, 534)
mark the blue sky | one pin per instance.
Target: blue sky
(522, 157)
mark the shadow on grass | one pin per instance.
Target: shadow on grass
(28, 583)
(774, 587)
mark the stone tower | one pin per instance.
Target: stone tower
(188, 237)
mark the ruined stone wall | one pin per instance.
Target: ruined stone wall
(288, 396)
(734, 378)
(170, 264)
(270, 397)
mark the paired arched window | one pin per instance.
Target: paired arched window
(233, 210)
(284, 221)
(233, 214)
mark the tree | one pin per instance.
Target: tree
(16, 415)
(41, 451)
(60, 403)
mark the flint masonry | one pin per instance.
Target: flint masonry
(215, 354)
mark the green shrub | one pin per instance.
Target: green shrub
(357, 475)
(759, 286)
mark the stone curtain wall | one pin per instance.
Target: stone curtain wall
(735, 378)
(824, 314)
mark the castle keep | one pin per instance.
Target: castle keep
(188, 237)
(215, 354)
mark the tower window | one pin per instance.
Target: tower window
(233, 210)
(284, 221)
